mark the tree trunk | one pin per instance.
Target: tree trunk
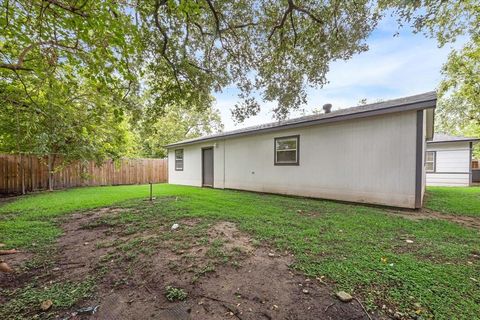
(50, 173)
(22, 172)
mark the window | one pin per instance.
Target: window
(287, 150)
(179, 160)
(430, 161)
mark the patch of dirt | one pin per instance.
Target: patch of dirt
(262, 288)
(471, 222)
(228, 232)
(80, 247)
(15, 261)
(310, 214)
(224, 274)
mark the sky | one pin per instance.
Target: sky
(393, 67)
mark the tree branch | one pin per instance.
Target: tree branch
(239, 26)
(294, 30)
(14, 67)
(284, 18)
(199, 68)
(307, 12)
(292, 7)
(158, 4)
(70, 8)
(21, 57)
(215, 15)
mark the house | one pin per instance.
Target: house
(449, 160)
(372, 153)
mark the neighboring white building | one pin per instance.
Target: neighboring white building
(449, 160)
(372, 154)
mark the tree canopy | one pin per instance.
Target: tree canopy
(458, 111)
(96, 79)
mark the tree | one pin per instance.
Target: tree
(459, 107)
(174, 124)
(188, 48)
(67, 120)
(272, 48)
(65, 76)
(106, 54)
(458, 111)
(443, 20)
(97, 37)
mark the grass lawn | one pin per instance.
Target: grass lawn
(30, 219)
(454, 200)
(360, 249)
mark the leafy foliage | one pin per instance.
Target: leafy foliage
(175, 124)
(64, 74)
(275, 48)
(74, 74)
(175, 294)
(68, 118)
(443, 20)
(459, 110)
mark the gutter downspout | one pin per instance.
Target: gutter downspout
(470, 173)
(418, 160)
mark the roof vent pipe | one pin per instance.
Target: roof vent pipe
(327, 107)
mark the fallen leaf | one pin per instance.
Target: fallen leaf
(45, 305)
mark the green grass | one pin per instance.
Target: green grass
(357, 248)
(63, 295)
(454, 200)
(29, 221)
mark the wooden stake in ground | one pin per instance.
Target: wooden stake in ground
(11, 251)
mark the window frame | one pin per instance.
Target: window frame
(175, 159)
(434, 162)
(297, 162)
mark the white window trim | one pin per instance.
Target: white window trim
(434, 162)
(297, 151)
(179, 159)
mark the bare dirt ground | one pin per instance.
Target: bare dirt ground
(424, 214)
(225, 274)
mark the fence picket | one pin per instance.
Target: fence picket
(35, 173)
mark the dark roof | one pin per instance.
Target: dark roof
(442, 137)
(416, 102)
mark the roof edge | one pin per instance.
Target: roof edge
(454, 141)
(419, 105)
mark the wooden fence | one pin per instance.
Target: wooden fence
(28, 173)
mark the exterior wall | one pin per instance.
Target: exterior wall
(371, 160)
(452, 164)
(192, 165)
(368, 160)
